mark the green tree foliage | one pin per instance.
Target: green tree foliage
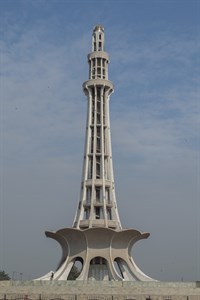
(73, 274)
(4, 276)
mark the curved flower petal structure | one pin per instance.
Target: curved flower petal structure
(105, 254)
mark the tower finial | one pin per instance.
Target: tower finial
(98, 27)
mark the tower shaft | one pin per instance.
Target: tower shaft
(97, 206)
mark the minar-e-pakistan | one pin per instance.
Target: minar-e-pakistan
(97, 239)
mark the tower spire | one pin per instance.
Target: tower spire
(98, 38)
(97, 206)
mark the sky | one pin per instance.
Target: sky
(155, 124)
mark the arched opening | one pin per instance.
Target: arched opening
(117, 268)
(123, 269)
(98, 269)
(76, 269)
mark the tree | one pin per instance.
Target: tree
(4, 276)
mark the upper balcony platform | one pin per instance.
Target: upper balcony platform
(98, 82)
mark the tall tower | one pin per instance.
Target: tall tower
(97, 239)
(97, 206)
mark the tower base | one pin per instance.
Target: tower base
(105, 254)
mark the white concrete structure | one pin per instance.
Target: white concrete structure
(97, 239)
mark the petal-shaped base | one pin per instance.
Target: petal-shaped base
(105, 254)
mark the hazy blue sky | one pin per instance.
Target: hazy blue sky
(154, 53)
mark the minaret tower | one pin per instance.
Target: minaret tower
(97, 206)
(96, 239)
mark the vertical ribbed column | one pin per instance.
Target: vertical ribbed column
(97, 206)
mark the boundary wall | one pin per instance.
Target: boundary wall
(99, 290)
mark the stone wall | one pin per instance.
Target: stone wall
(74, 290)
